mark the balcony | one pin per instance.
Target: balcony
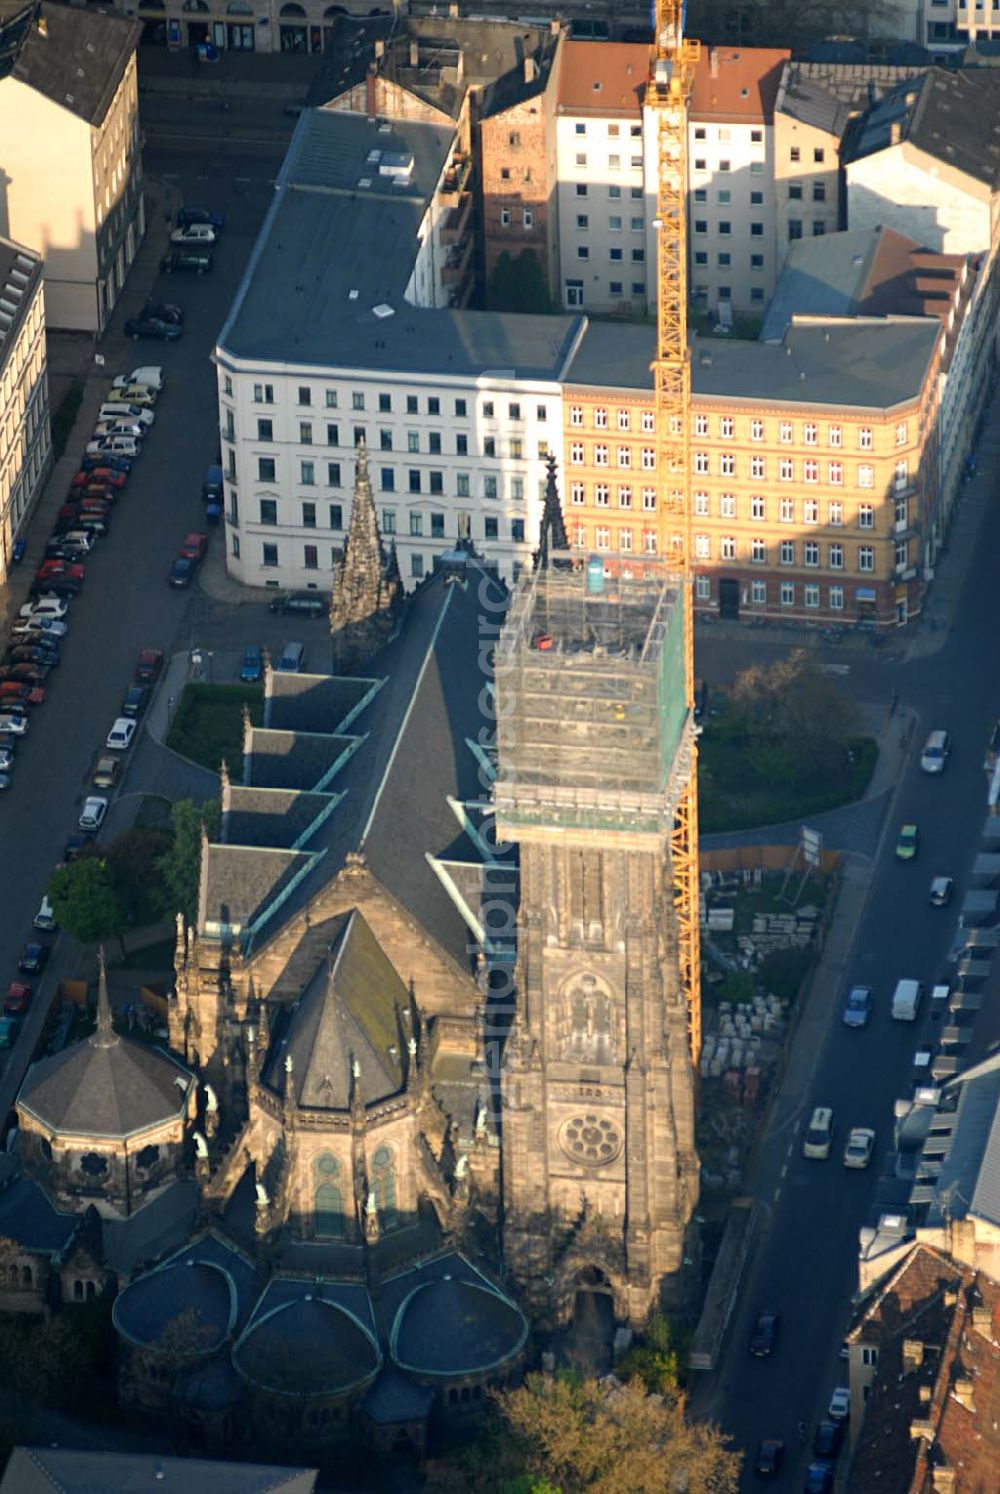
(455, 222)
(455, 182)
(455, 270)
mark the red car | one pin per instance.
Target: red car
(104, 476)
(194, 546)
(15, 1003)
(19, 690)
(92, 490)
(30, 674)
(148, 667)
(50, 568)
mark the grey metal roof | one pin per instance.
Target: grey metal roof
(820, 277)
(445, 1318)
(240, 883)
(152, 1231)
(286, 759)
(64, 1470)
(953, 115)
(80, 59)
(27, 1217)
(276, 818)
(809, 101)
(865, 362)
(105, 1089)
(208, 1280)
(350, 1011)
(309, 1338)
(340, 240)
(969, 1181)
(311, 702)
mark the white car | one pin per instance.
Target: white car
(31, 627)
(50, 607)
(126, 446)
(840, 1404)
(92, 815)
(113, 411)
(13, 726)
(121, 734)
(79, 539)
(859, 1148)
(45, 918)
(120, 428)
(150, 376)
(195, 233)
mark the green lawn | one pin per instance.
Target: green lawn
(738, 790)
(208, 724)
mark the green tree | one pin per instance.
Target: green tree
(180, 864)
(133, 860)
(85, 902)
(519, 284)
(567, 1435)
(655, 1358)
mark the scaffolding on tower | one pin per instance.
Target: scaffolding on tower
(673, 64)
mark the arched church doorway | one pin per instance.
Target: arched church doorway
(589, 1339)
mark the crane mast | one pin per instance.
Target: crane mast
(673, 64)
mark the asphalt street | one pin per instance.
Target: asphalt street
(805, 1264)
(126, 604)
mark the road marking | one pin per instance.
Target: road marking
(242, 178)
(776, 1195)
(791, 1146)
(784, 1169)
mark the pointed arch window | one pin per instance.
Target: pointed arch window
(384, 1186)
(329, 1219)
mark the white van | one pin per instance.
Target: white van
(906, 1000)
(116, 409)
(150, 374)
(935, 753)
(819, 1137)
(292, 658)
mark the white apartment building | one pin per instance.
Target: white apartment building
(70, 157)
(606, 196)
(340, 331)
(731, 200)
(25, 437)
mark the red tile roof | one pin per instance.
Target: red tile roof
(738, 83)
(602, 77)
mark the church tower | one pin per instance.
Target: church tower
(366, 586)
(600, 1173)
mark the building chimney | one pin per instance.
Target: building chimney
(982, 1321)
(895, 132)
(913, 1354)
(43, 26)
(713, 62)
(379, 48)
(965, 1390)
(529, 70)
(414, 52)
(371, 107)
(943, 1480)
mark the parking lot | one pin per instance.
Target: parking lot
(126, 603)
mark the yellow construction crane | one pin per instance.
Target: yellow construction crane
(673, 64)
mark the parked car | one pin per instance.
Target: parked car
(828, 1437)
(76, 846)
(764, 1337)
(121, 734)
(6, 759)
(859, 1148)
(45, 607)
(13, 725)
(105, 774)
(840, 1404)
(93, 524)
(135, 701)
(194, 546)
(136, 394)
(193, 233)
(48, 627)
(819, 1135)
(58, 586)
(190, 215)
(9, 1028)
(93, 461)
(182, 571)
(935, 753)
(148, 666)
(78, 541)
(252, 668)
(52, 568)
(195, 260)
(14, 690)
(93, 812)
(149, 375)
(33, 958)
(819, 1478)
(131, 428)
(124, 409)
(165, 311)
(858, 1006)
(98, 492)
(17, 999)
(31, 653)
(212, 485)
(151, 326)
(126, 446)
(45, 918)
(107, 476)
(304, 603)
(35, 674)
